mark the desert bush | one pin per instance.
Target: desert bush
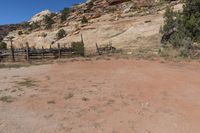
(89, 6)
(78, 48)
(48, 21)
(84, 20)
(20, 32)
(43, 34)
(3, 45)
(187, 22)
(25, 25)
(181, 29)
(176, 39)
(34, 25)
(65, 13)
(191, 17)
(61, 34)
(184, 52)
(7, 99)
(169, 20)
(52, 15)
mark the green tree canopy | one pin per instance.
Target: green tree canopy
(185, 23)
(65, 13)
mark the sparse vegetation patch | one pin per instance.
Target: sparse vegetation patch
(48, 21)
(182, 29)
(84, 20)
(61, 34)
(78, 48)
(85, 99)
(68, 96)
(51, 102)
(7, 99)
(27, 82)
(3, 45)
(65, 13)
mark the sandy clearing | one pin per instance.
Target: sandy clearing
(103, 96)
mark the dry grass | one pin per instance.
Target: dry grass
(7, 99)
(51, 102)
(68, 96)
(13, 65)
(85, 99)
(25, 64)
(27, 82)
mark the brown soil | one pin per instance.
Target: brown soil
(101, 96)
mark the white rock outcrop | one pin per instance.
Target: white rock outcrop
(40, 16)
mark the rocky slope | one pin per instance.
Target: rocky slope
(5, 29)
(126, 24)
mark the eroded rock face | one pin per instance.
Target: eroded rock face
(121, 23)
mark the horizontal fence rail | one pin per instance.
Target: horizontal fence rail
(33, 53)
(27, 53)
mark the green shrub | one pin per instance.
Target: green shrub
(181, 29)
(20, 32)
(61, 34)
(65, 13)
(169, 20)
(52, 15)
(48, 22)
(84, 20)
(187, 23)
(34, 25)
(44, 35)
(78, 48)
(89, 6)
(176, 39)
(184, 52)
(191, 17)
(3, 45)
(25, 25)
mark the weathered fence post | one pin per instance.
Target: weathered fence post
(111, 47)
(71, 50)
(98, 49)
(82, 38)
(27, 51)
(59, 50)
(11, 47)
(83, 44)
(12, 51)
(42, 52)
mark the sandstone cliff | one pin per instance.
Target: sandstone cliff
(126, 24)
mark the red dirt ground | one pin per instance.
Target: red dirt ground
(102, 96)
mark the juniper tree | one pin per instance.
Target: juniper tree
(184, 25)
(48, 22)
(64, 14)
(191, 19)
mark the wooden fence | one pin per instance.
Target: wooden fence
(105, 49)
(27, 53)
